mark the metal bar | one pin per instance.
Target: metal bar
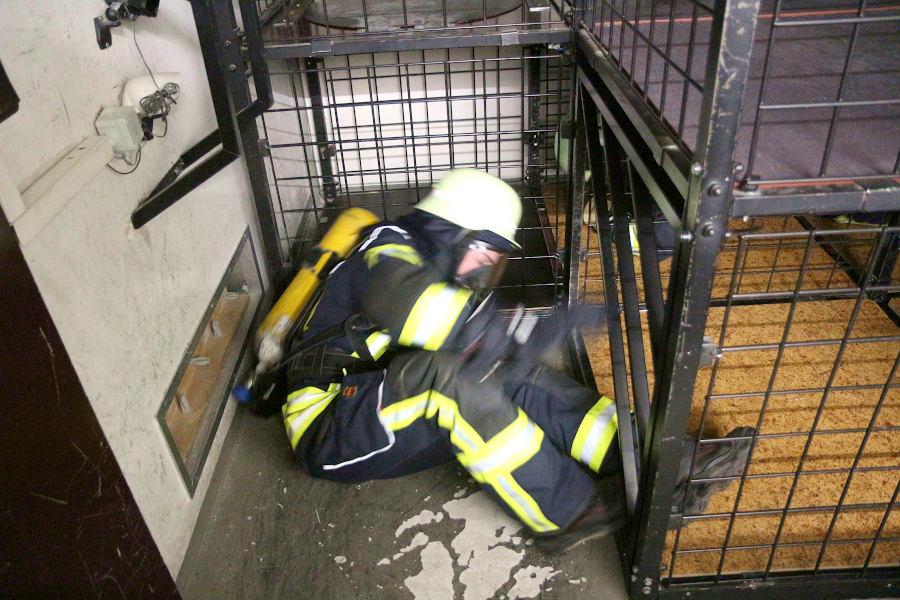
(192, 155)
(777, 511)
(763, 86)
(653, 291)
(248, 132)
(532, 71)
(781, 474)
(835, 198)
(602, 165)
(835, 104)
(311, 67)
(885, 263)
(617, 180)
(693, 267)
(575, 205)
(464, 38)
(808, 343)
(844, 21)
(180, 187)
(662, 188)
(881, 526)
(880, 583)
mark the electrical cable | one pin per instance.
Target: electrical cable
(153, 106)
(158, 105)
(133, 166)
(141, 53)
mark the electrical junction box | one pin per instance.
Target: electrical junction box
(122, 125)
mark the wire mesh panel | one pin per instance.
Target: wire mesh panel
(806, 357)
(825, 98)
(759, 355)
(378, 130)
(822, 97)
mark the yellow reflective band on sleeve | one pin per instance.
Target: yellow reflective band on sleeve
(378, 343)
(596, 433)
(490, 463)
(433, 316)
(399, 251)
(302, 408)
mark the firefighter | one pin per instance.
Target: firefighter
(410, 372)
(406, 364)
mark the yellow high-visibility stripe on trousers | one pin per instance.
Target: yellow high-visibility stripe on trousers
(596, 433)
(302, 408)
(490, 462)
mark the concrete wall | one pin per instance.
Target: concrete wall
(126, 302)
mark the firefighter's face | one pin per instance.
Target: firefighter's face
(481, 266)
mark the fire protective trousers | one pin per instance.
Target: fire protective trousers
(534, 444)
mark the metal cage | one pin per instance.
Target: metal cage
(776, 306)
(377, 130)
(760, 136)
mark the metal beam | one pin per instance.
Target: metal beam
(365, 44)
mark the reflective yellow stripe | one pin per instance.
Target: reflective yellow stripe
(311, 313)
(507, 451)
(378, 343)
(302, 408)
(399, 251)
(429, 404)
(433, 316)
(522, 504)
(490, 463)
(596, 433)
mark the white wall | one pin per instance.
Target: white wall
(126, 302)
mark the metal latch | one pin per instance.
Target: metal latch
(709, 352)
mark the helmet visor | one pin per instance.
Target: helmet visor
(481, 266)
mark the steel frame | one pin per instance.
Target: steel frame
(223, 46)
(647, 162)
(640, 162)
(288, 35)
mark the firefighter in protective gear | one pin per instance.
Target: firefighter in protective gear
(400, 382)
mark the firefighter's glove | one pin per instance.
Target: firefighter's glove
(519, 341)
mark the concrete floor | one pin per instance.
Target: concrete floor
(269, 531)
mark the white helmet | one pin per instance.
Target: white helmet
(477, 201)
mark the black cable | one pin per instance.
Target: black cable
(134, 166)
(144, 60)
(158, 104)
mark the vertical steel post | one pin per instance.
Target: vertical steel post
(575, 205)
(219, 35)
(311, 67)
(703, 227)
